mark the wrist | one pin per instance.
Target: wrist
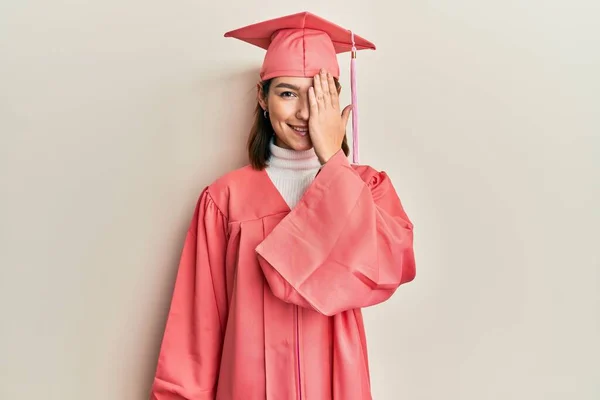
(328, 156)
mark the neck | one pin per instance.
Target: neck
(292, 172)
(293, 159)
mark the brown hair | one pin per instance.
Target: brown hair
(260, 135)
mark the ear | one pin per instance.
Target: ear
(261, 97)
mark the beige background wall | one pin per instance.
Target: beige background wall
(115, 114)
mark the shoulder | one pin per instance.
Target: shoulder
(234, 185)
(372, 177)
(364, 171)
(368, 174)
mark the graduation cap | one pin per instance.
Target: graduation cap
(299, 45)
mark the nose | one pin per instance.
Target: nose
(303, 111)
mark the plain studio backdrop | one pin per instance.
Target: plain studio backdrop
(114, 115)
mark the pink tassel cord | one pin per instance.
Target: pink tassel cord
(354, 103)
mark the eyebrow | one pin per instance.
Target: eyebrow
(289, 86)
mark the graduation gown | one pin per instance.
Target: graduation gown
(267, 300)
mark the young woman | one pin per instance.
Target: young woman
(282, 254)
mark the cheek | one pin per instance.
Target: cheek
(283, 109)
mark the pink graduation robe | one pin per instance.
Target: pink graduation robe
(267, 299)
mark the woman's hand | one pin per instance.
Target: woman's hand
(326, 126)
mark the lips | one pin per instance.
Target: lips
(301, 130)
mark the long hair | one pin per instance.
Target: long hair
(260, 135)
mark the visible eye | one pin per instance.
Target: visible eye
(287, 94)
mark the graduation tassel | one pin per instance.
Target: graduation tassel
(354, 102)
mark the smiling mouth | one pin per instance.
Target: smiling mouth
(302, 130)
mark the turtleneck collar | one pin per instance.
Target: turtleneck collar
(292, 159)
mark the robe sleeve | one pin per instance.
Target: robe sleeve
(347, 244)
(190, 353)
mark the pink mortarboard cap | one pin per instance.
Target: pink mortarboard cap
(299, 45)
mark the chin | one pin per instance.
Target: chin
(295, 143)
(302, 146)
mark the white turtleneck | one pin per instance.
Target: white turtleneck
(292, 172)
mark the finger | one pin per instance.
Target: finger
(318, 91)
(335, 102)
(312, 102)
(346, 114)
(325, 87)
